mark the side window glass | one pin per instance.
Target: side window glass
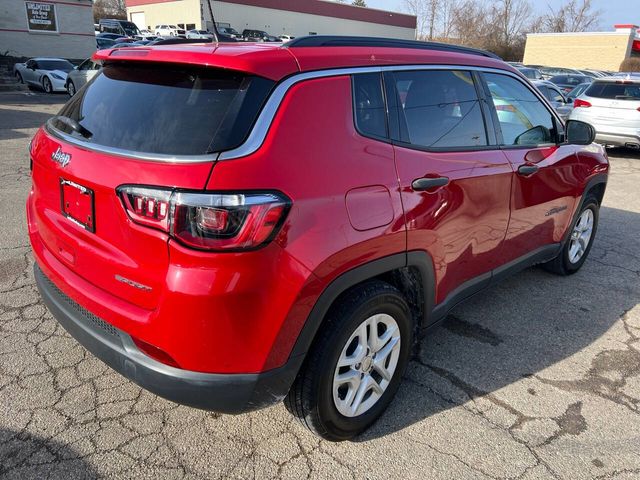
(555, 96)
(439, 109)
(369, 105)
(524, 119)
(85, 65)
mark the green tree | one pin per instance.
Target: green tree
(359, 3)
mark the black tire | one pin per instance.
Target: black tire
(47, 86)
(71, 88)
(311, 396)
(562, 265)
(19, 77)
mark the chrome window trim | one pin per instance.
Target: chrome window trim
(259, 132)
(261, 128)
(121, 152)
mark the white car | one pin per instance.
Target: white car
(146, 34)
(286, 38)
(611, 105)
(80, 75)
(49, 74)
(203, 34)
(168, 31)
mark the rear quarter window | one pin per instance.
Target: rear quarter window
(166, 110)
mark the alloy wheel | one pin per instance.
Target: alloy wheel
(580, 236)
(366, 365)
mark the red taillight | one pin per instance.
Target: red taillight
(580, 103)
(208, 221)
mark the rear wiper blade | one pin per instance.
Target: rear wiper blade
(75, 126)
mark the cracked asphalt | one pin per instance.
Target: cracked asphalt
(536, 378)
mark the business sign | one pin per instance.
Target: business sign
(41, 17)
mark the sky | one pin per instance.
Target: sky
(613, 11)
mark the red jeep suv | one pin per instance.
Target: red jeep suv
(236, 224)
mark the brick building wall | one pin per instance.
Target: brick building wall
(63, 29)
(596, 50)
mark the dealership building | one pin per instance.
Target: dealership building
(276, 17)
(595, 50)
(50, 28)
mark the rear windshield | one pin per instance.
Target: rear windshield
(617, 91)
(165, 110)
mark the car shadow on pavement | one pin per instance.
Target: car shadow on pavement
(10, 126)
(29, 457)
(513, 331)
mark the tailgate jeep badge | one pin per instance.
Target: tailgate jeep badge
(60, 157)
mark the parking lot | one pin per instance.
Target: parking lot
(536, 378)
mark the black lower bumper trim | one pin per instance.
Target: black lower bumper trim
(225, 393)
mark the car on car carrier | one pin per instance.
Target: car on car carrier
(233, 225)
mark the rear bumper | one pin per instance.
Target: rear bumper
(225, 393)
(618, 140)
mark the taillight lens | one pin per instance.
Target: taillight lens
(580, 103)
(208, 221)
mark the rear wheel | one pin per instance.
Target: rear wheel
(46, 85)
(356, 364)
(578, 245)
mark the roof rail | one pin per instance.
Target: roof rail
(348, 41)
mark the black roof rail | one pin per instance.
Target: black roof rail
(348, 41)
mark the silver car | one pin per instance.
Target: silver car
(81, 75)
(199, 34)
(558, 100)
(49, 74)
(612, 106)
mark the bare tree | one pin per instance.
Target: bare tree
(572, 16)
(447, 17)
(510, 18)
(109, 9)
(419, 9)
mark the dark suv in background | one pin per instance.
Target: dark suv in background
(258, 36)
(235, 226)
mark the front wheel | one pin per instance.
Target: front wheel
(71, 88)
(46, 85)
(578, 245)
(19, 77)
(356, 364)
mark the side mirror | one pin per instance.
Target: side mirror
(534, 136)
(579, 133)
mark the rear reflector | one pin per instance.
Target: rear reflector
(580, 103)
(208, 221)
(156, 353)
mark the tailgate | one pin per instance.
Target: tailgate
(152, 125)
(125, 259)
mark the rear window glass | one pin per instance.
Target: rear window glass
(619, 91)
(165, 110)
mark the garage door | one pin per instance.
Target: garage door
(138, 19)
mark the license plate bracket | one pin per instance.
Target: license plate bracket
(77, 204)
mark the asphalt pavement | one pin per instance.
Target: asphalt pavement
(536, 378)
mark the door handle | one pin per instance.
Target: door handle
(527, 170)
(426, 183)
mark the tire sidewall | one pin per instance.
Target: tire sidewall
(19, 77)
(590, 203)
(345, 427)
(71, 88)
(45, 82)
